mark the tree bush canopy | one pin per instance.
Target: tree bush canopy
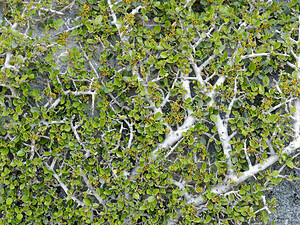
(146, 112)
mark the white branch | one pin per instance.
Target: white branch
(232, 101)
(130, 125)
(74, 129)
(181, 186)
(299, 29)
(247, 157)
(115, 21)
(255, 55)
(64, 187)
(172, 138)
(173, 148)
(48, 10)
(279, 105)
(55, 103)
(236, 179)
(292, 65)
(270, 147)
(91, 188)
(294, 54)
(136, 10)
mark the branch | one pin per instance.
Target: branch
(181, 186)
(55, 103)
(130, 125)
(255, 55)
(74, 129)
(136, 10)
(236, 179)
(91, 188)
(279, 105)
(232, 101)
(270, 147)
(172, 138)
(292, 65)
(92, 93)
(297, 118)
(115, 21)
(299, 30)
(64, 187)
(48, 10)
(7, 63)
(173, 148)
(12, 90)
(69, 29)
(247, 157)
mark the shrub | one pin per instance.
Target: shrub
(146, 112)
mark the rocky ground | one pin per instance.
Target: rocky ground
(287, 195)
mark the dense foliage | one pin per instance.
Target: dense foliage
(146, 112)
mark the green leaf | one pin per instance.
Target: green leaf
(19, 216)
(276, 180)
(266, 81)
(284, 156)
(4, 151)
(18, 110)
(95, 205)
(117, 82)
(157, 29)
(67, 128)
(207, 219)
(167, 24)
(145, 18)
(29, 213)
(43, 141)
(9, 201)
(21, 153)
(164, 55)
(98, 19)
(261, 89)
(22, 186)
(64, 58)
(59, 22)
(35, 109)
(277, 45)
(214, 118)
(179, 32)
(47, 153)
(151, 199)
(272, 117)
(216, 35)
(143, 207)
(107, 192)
(5, 113)
(136, 195)
(87, 202)
(293, 109)
(155, 191)
(290, 164)
(119, 154)
(14, 44)
(275, 173)
(159, 47)
(252, 67)
(158, 116)
(15, 117)
(120, 204)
